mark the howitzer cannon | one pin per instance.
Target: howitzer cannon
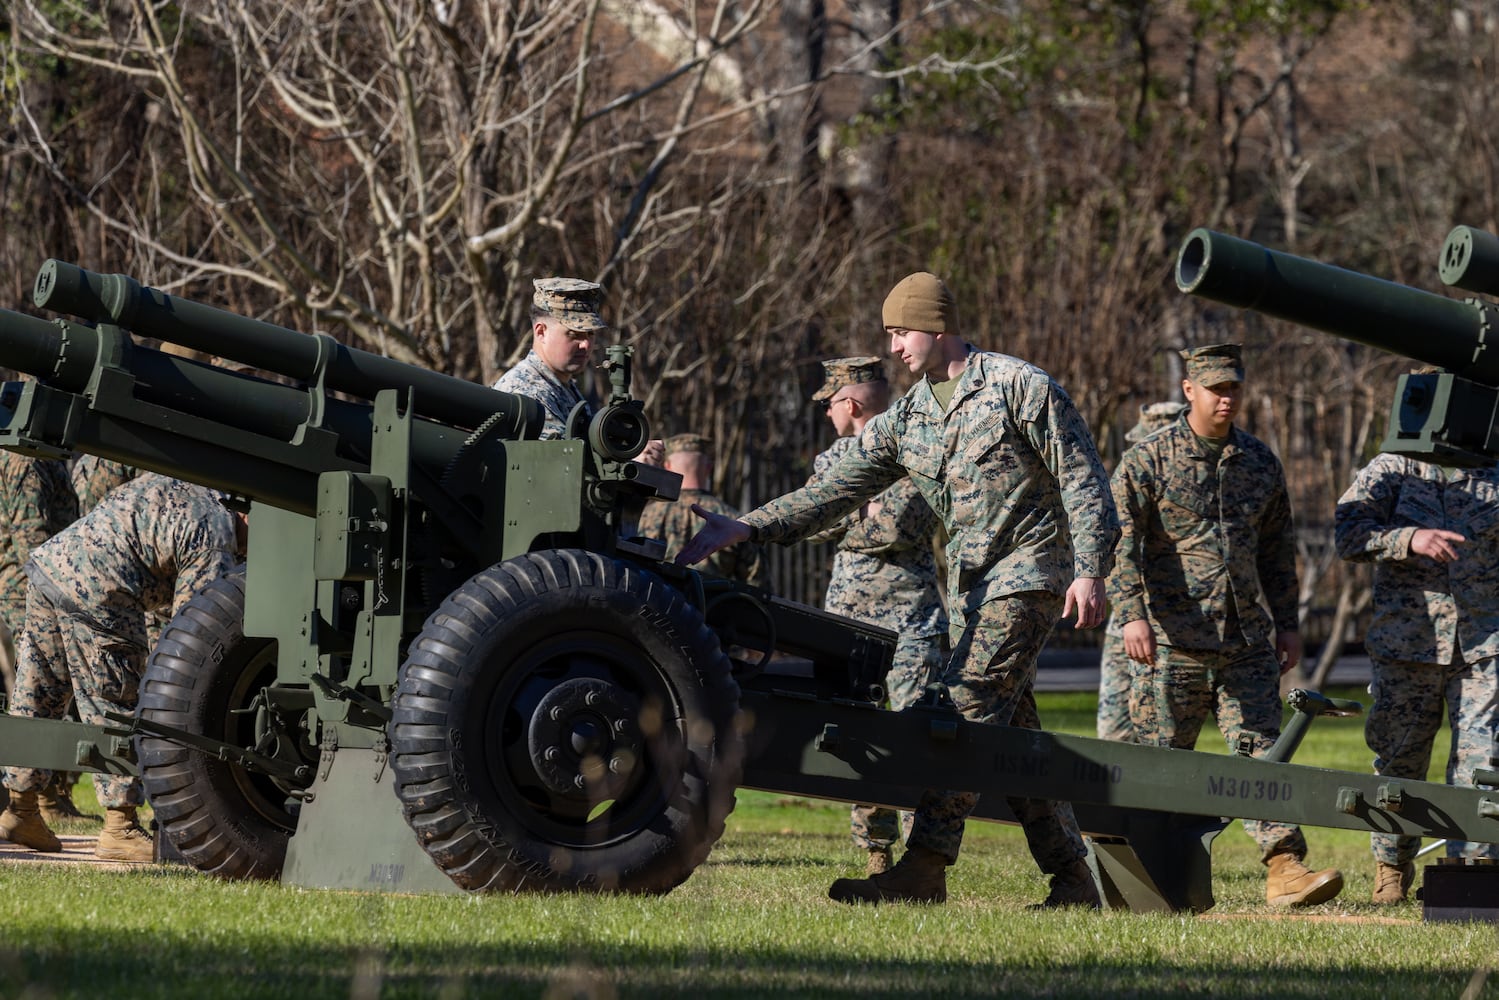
(403, 544)
(1446, 417)
(448, 664)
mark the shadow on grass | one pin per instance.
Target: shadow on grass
(114, 965)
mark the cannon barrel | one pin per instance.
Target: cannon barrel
(64, 354)
(121, 300)
(1383, 314)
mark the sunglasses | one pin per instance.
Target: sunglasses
(827, 404)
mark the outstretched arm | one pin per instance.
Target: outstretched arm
(719, 532)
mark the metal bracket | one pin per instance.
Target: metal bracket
(327, 752)
(382, 755)
(317, 389)
(1390, 798)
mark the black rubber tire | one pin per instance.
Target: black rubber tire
(222, 819)
(517, 690)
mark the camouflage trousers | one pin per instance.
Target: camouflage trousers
(12, 618)
(1402, 727)
(1171, 699)
(61, 657)
(991, 675)
(1113, 691)
(918, 660)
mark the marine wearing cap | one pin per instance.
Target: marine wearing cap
(839, 373)
(572, 302)
(920, 301)
(1214, 364)
(688, 442)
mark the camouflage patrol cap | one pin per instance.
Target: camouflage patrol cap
(1214, 364)
(841, 372)
(922, 302)
(1153, 416)
(688, 442)
(573, 302)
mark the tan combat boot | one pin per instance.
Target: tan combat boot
(1291, 883)
(1392, 882)
(123, 839)
(879, 861)
(1073, 886)
(56, 802)
(920, 876)
(22, 824)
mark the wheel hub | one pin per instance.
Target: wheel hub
(585, 740)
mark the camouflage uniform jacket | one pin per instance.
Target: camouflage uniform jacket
(93, 477)
(885, 572)
(674, 523)
(533, 378)
(1009, 467)
(151, 544)
(1201, 541)
(1424, 610)
(36, 502)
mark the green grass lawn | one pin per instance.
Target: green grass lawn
(753, 921)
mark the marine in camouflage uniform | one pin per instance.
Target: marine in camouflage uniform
(1113, 664)
(93, 477)
(673, 522)
(1208, 536)
(564, 317)
(1433, 536)
(884, 571)
(151, 544)
(1000, 453)
(36, 502)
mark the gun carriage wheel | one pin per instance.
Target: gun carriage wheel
(566, 722)
(204, 676)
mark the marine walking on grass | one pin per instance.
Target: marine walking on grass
(1001, 454)
(1207, 538)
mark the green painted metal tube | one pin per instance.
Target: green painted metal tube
(206, 404)
(123, 301)
(1383, 314)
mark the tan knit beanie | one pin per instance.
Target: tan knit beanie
(920, 302)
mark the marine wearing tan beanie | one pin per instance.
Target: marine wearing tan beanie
(922, 302)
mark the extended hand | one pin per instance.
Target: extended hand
(718, 533)
(1437, 543)
(1085, 596)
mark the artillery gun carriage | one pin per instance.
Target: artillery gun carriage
(449, 664)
